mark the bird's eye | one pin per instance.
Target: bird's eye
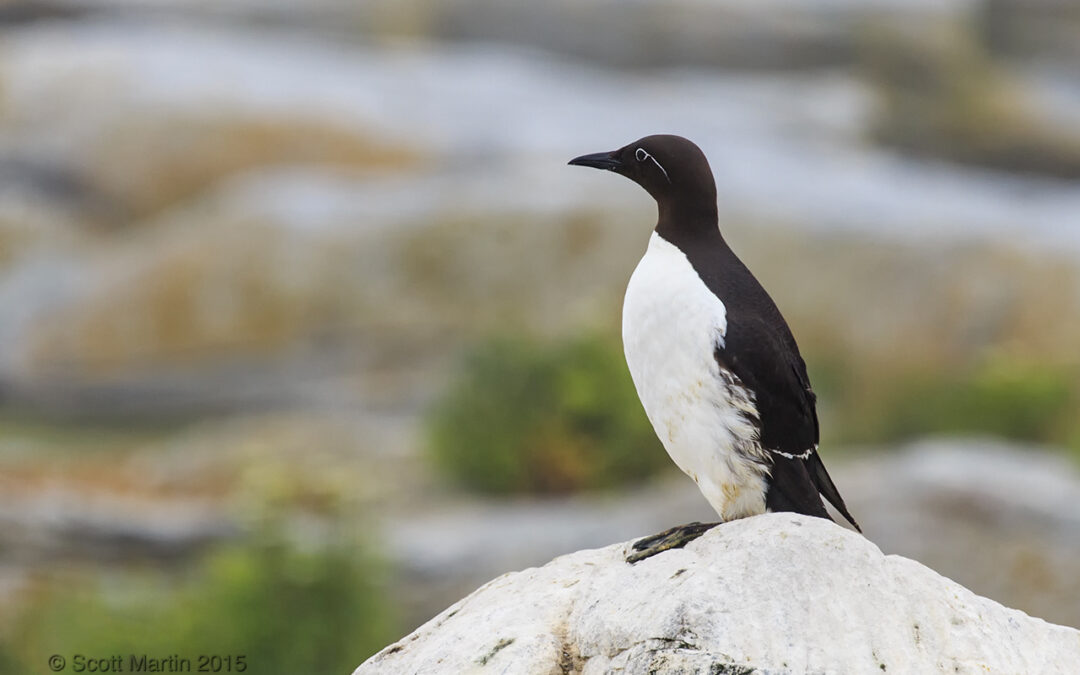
(640, 155)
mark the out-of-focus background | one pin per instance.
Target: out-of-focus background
(306, 329)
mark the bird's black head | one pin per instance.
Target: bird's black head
(671, 168)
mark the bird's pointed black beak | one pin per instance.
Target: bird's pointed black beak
(599, 160)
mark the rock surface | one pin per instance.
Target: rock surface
(1015, 505)
(779, 593)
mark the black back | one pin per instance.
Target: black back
(758, 348)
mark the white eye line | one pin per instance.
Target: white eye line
(641, 155)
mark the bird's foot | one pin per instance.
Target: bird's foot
(676, 537)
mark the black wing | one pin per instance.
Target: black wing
(760, 351)
(763, 355)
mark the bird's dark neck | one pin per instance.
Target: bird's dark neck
(683, 220)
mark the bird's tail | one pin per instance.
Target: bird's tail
(827, 488)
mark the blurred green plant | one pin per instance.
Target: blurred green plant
(1022, 403)
(285, 608)
(1010, 398)
(529, 417)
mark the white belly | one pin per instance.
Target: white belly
(672, 324)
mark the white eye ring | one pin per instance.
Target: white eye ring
(641, 155)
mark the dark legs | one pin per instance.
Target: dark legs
(676, 537)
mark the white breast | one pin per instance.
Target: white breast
(672, 324)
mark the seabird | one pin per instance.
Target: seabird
(714, 363)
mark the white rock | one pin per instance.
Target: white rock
(772, 594)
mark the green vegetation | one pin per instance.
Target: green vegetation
(527, 417)
(286, 609)
(60, 435)
(544, 418)
(1007, 398)
(1034, 404)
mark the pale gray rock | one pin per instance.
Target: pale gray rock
(1014, 504)
(779, 593)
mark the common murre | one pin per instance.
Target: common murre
(714, 363)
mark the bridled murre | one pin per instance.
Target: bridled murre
(713, 360)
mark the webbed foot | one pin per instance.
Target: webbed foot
(676, 537)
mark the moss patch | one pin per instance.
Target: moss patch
(525, 416)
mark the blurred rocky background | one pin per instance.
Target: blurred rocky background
(306, 329)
